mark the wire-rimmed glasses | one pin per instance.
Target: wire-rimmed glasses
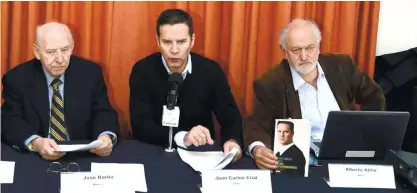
(56, 167)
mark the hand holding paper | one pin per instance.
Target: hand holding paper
(47, 148)
(105, 148)
(229, 145)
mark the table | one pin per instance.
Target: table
(165, 172)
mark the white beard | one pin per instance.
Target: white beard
(306, 69)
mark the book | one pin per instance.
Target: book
(291, 144)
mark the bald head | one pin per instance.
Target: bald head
(299, 27)
(53, 47)
(52, 31)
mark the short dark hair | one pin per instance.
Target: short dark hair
(175, 16)
(289, 123)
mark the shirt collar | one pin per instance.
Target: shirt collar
(283, 148)
(188, 66)
(50, 78)
(298, 81)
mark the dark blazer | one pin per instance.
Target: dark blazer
(276, 98)
(292, 157)
(205, 91)
(26, 109)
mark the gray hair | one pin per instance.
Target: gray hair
(40, 30)
(284, 32)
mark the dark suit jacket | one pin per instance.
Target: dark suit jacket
(26, 109)
(276, 98)
(292, 157)
(205, 91)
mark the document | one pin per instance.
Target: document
(211, 160)
(7, 172)
(133, 173)
(79, 147)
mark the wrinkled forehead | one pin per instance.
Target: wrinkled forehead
(301, 36)
(55, 39)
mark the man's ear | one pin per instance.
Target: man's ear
(36, 51)
(157, 40)
(192, 40)
(284, 51)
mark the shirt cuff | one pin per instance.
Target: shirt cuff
(112, 136)
(179, 138)
(251, 146)
(28, 140)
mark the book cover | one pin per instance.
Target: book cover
(292, 145)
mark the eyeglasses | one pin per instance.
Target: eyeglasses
(57, 167)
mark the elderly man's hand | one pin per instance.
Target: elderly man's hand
(46, 148)
(106, 148)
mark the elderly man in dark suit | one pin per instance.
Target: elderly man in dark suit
(305, 85)
(56, 97)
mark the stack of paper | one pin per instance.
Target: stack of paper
(7, 172)
(133, 173)
(211, 160)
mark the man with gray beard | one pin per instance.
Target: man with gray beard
(306, 85)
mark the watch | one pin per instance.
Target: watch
(30, 147)
(113, 139)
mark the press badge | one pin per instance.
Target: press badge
(170, 118)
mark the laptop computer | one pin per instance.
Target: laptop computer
(361, 134)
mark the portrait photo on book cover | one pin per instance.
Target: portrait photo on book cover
(292, 145)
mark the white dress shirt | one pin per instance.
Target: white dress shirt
(179, 137)
(283, 148)
(315, 103)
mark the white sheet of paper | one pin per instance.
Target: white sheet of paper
(79, 147)
(135, 173)
(236, 181)
(6, 172)
(361, 176)
(211, 160)
(91, 180)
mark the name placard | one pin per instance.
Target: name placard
(88, 180)
(236, 181)
(170, 118)
(361, 176)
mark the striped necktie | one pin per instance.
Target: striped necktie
(58, 132)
